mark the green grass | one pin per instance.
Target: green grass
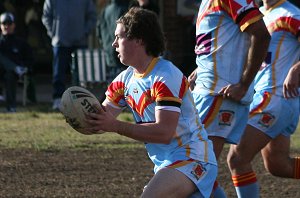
(40, 129)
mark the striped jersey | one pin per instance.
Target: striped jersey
(163, 87)
(283, 23)
(221, 44)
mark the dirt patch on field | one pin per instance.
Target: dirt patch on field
(102, 173)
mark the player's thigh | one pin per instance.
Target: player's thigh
(252, 141)
(169, 182)
(277, 150)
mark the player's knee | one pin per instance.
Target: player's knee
(233, 160)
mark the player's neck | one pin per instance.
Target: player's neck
(143, 64)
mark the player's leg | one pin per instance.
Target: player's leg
(277, 160)
(182, 179)
(239, 161)
(218, 144)
(169, 182)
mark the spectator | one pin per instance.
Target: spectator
(231, 43)
(105, 30)
(158, 96)
(68, 24)
(146, 4)
(272, 118)
(15, 58)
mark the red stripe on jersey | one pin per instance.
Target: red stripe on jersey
(143, 102)
(115, 91)
(265, 101)
(286, 24)
(184, 87)
(160, 90)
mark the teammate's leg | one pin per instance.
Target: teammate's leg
(277, 160)
(218, 143)
(239, 161)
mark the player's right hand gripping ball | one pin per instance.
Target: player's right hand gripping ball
(76, 102)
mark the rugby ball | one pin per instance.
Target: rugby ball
(76, 102)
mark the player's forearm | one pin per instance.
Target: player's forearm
(147, 132)
(259, 42)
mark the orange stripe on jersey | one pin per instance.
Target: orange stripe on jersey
(288, 24)
(213, 111)
(144, 101)
(275, 62)
(149, 68)
(251, 18)
(214, 56)
(180, 163)
(265, 101)
(244, 179)
(187, 150)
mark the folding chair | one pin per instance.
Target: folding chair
(89, 70)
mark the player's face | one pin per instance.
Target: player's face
(125, 47)
(7, 28)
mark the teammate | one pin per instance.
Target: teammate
(166, 120)
(231, 43)
(272, 119)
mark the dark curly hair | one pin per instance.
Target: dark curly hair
(143, 24)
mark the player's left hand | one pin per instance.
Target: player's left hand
(233, 92)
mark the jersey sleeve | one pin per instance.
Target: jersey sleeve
(168, 93)
(243, 12)
(115, 92)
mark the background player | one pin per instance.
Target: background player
(272, 118)
(231, 43)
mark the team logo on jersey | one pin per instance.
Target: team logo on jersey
(198, 171)
(225, 117)
(135, 90)
(266, 119)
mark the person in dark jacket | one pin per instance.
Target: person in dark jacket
(68, 24)
(15, 58)
(106, 32)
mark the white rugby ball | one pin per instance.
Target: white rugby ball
(76, 102)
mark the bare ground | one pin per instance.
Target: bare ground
(103, 173)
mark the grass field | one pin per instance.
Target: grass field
(41, 156)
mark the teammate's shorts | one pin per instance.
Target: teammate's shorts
(274, 115)
(222, 117)
(202, 174)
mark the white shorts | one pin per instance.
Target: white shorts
(274, 115)
(202, 174)
(222, 117)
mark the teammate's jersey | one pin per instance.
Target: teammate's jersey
(283, 23)
(221, 45)
(155, 90)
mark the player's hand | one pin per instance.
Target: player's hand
(290, 85)
(233, 92)
(192, 79)
(100, 121)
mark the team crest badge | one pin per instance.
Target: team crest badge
(266, 119)
(198, 171)
(225, 117)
